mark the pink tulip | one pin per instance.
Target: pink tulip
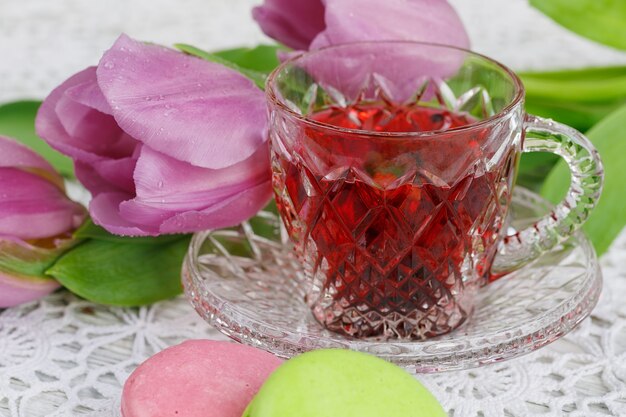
(314, 24)
(16, 290)
(165, 142)
(399, 71)
(36, 218)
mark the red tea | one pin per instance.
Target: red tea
(387, 225)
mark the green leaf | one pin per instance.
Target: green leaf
(30, 260)
(256, 76)
(17, 120)
(603, 21)
(534, 167)
(89, 230)
(609, 217)
(579, 98)
(577, 74)
(589, 90)
(262, 58)
(122, 273)
(581, 116)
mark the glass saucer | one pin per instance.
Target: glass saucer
(246, 282)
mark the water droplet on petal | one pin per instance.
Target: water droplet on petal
(161, 97)
(148, 98)
(109, 65)
(199, 85)
(160, 184)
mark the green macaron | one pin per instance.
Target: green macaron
(336, 382)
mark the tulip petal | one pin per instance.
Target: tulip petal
(374, 20)
(295, 23)
(167, 187)
(229, 212)
(89, 94)
(139, 212)
(96, 132)
(91, 180)
(396, 70)
(14, 154)
(399, 71)
(48, 124)
(193, 110)
(69, 120)
(34, 208)
(162, 179)
(118, 172)
(107, 175)
(104, 210)
(16, 290)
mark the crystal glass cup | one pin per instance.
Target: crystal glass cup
(393, 165)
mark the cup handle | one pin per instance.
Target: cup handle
(543, 135)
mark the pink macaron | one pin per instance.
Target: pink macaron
(197, 378)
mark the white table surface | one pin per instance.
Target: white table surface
(63, 356)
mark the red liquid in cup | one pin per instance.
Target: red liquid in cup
(386, 239)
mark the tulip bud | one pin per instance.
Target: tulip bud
(36, 222)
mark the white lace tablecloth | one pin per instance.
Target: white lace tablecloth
(63, 356)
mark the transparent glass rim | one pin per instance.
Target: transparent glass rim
(273, 98)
